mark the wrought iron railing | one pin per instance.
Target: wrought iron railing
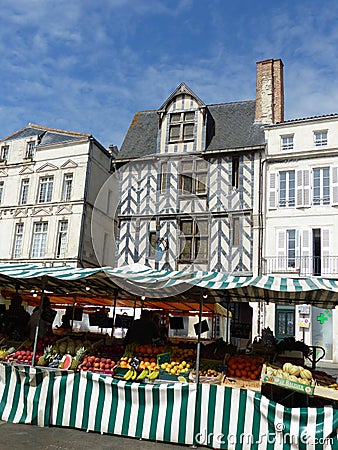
(303, 266)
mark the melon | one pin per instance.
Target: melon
(67, 361)
(305, 374)
(287, 367)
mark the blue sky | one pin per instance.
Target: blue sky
(89, 65)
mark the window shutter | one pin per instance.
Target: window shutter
(326, 266)
(306, 187)
(272, 190)
(302, 188)
(334, 186)
(305, 253)
(297, 249)
(281, 250)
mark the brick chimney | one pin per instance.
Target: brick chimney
(270, 91)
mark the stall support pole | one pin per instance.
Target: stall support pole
(198, 349)
(44, 284)
(114, 313)
(227, 331)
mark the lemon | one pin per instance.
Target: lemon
(183, 363)
(172, 371)
(188, 366)
(181, 379)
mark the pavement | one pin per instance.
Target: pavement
(30, 437)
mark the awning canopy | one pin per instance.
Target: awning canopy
(138, 285)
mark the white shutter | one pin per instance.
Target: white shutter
(303, 188)
(306, 188)
(273, 190)
(326, 266)
(299, 188)
(306, 263)
(297, 249)
(281, 250)
(334, 188)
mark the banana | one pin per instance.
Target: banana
(142, 375)
(134, 375)
(128, 375)
(154, 375)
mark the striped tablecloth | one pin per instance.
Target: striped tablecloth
(216, 416)
(25, 394)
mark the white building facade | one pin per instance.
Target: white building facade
(301, 221)
(49, 184)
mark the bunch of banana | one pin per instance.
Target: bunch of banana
(153, 374)
(130, 375)
(143, 374)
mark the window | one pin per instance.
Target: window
(287, 142)
(286, 188)
(1, 191)
(4, 153)
(285, 321)
(30, 149)
(235, 231)
(291, 248)
(24, 192)
(18, 238)
(163, 177)
(62, 239)
(193, 179)
(45, 189)
(39, 239)
(181, 126)
(152, 244)
(321, 186)
(320, 138)
(193, 240)
(67, 187)
(235, 171)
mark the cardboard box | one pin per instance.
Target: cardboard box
(284, 383)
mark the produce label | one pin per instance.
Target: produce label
(288, 384)
(163, 358)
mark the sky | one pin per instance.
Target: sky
(90, 65)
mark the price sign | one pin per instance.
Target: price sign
(163, 358)
(135, 362)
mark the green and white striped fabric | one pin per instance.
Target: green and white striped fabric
(239, 419)
(141, 280)
(25, 394)
(96, 402)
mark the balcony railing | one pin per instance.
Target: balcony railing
(303, 266)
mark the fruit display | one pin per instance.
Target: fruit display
(324, 379)
(135, 375)
(20, 356)
(176, 367)
(244, 367)
(94, 363)
(6, 352)
(291, 372)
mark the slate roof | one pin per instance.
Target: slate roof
(48, 136)
(229, 126)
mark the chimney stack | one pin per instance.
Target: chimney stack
(270, 91)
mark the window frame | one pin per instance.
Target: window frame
(67, 187)
(61, 239)
(181, 125)
(30, 150)
(287, 142)
(2, 187)
(42, 242)
(321, 141)
(17, 235)
(288, 200)
(195, 237)
(48, 194)
(4, 153)
(322, 199)
(196, 177)
(24, 188)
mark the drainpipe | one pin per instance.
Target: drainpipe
(260, 213)
(85, 195)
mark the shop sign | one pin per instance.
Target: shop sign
(304, 309)
(304, 322)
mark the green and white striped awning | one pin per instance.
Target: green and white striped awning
(160, 286)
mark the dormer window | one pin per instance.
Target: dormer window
(30, 150)
(320, 138)
(4, 153)
(287, 142)
(181, 126)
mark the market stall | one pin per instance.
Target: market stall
(152, 409)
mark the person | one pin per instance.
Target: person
(143, 330)
(161, 328)
(16, 319)
(45, 325)
(65, 320)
